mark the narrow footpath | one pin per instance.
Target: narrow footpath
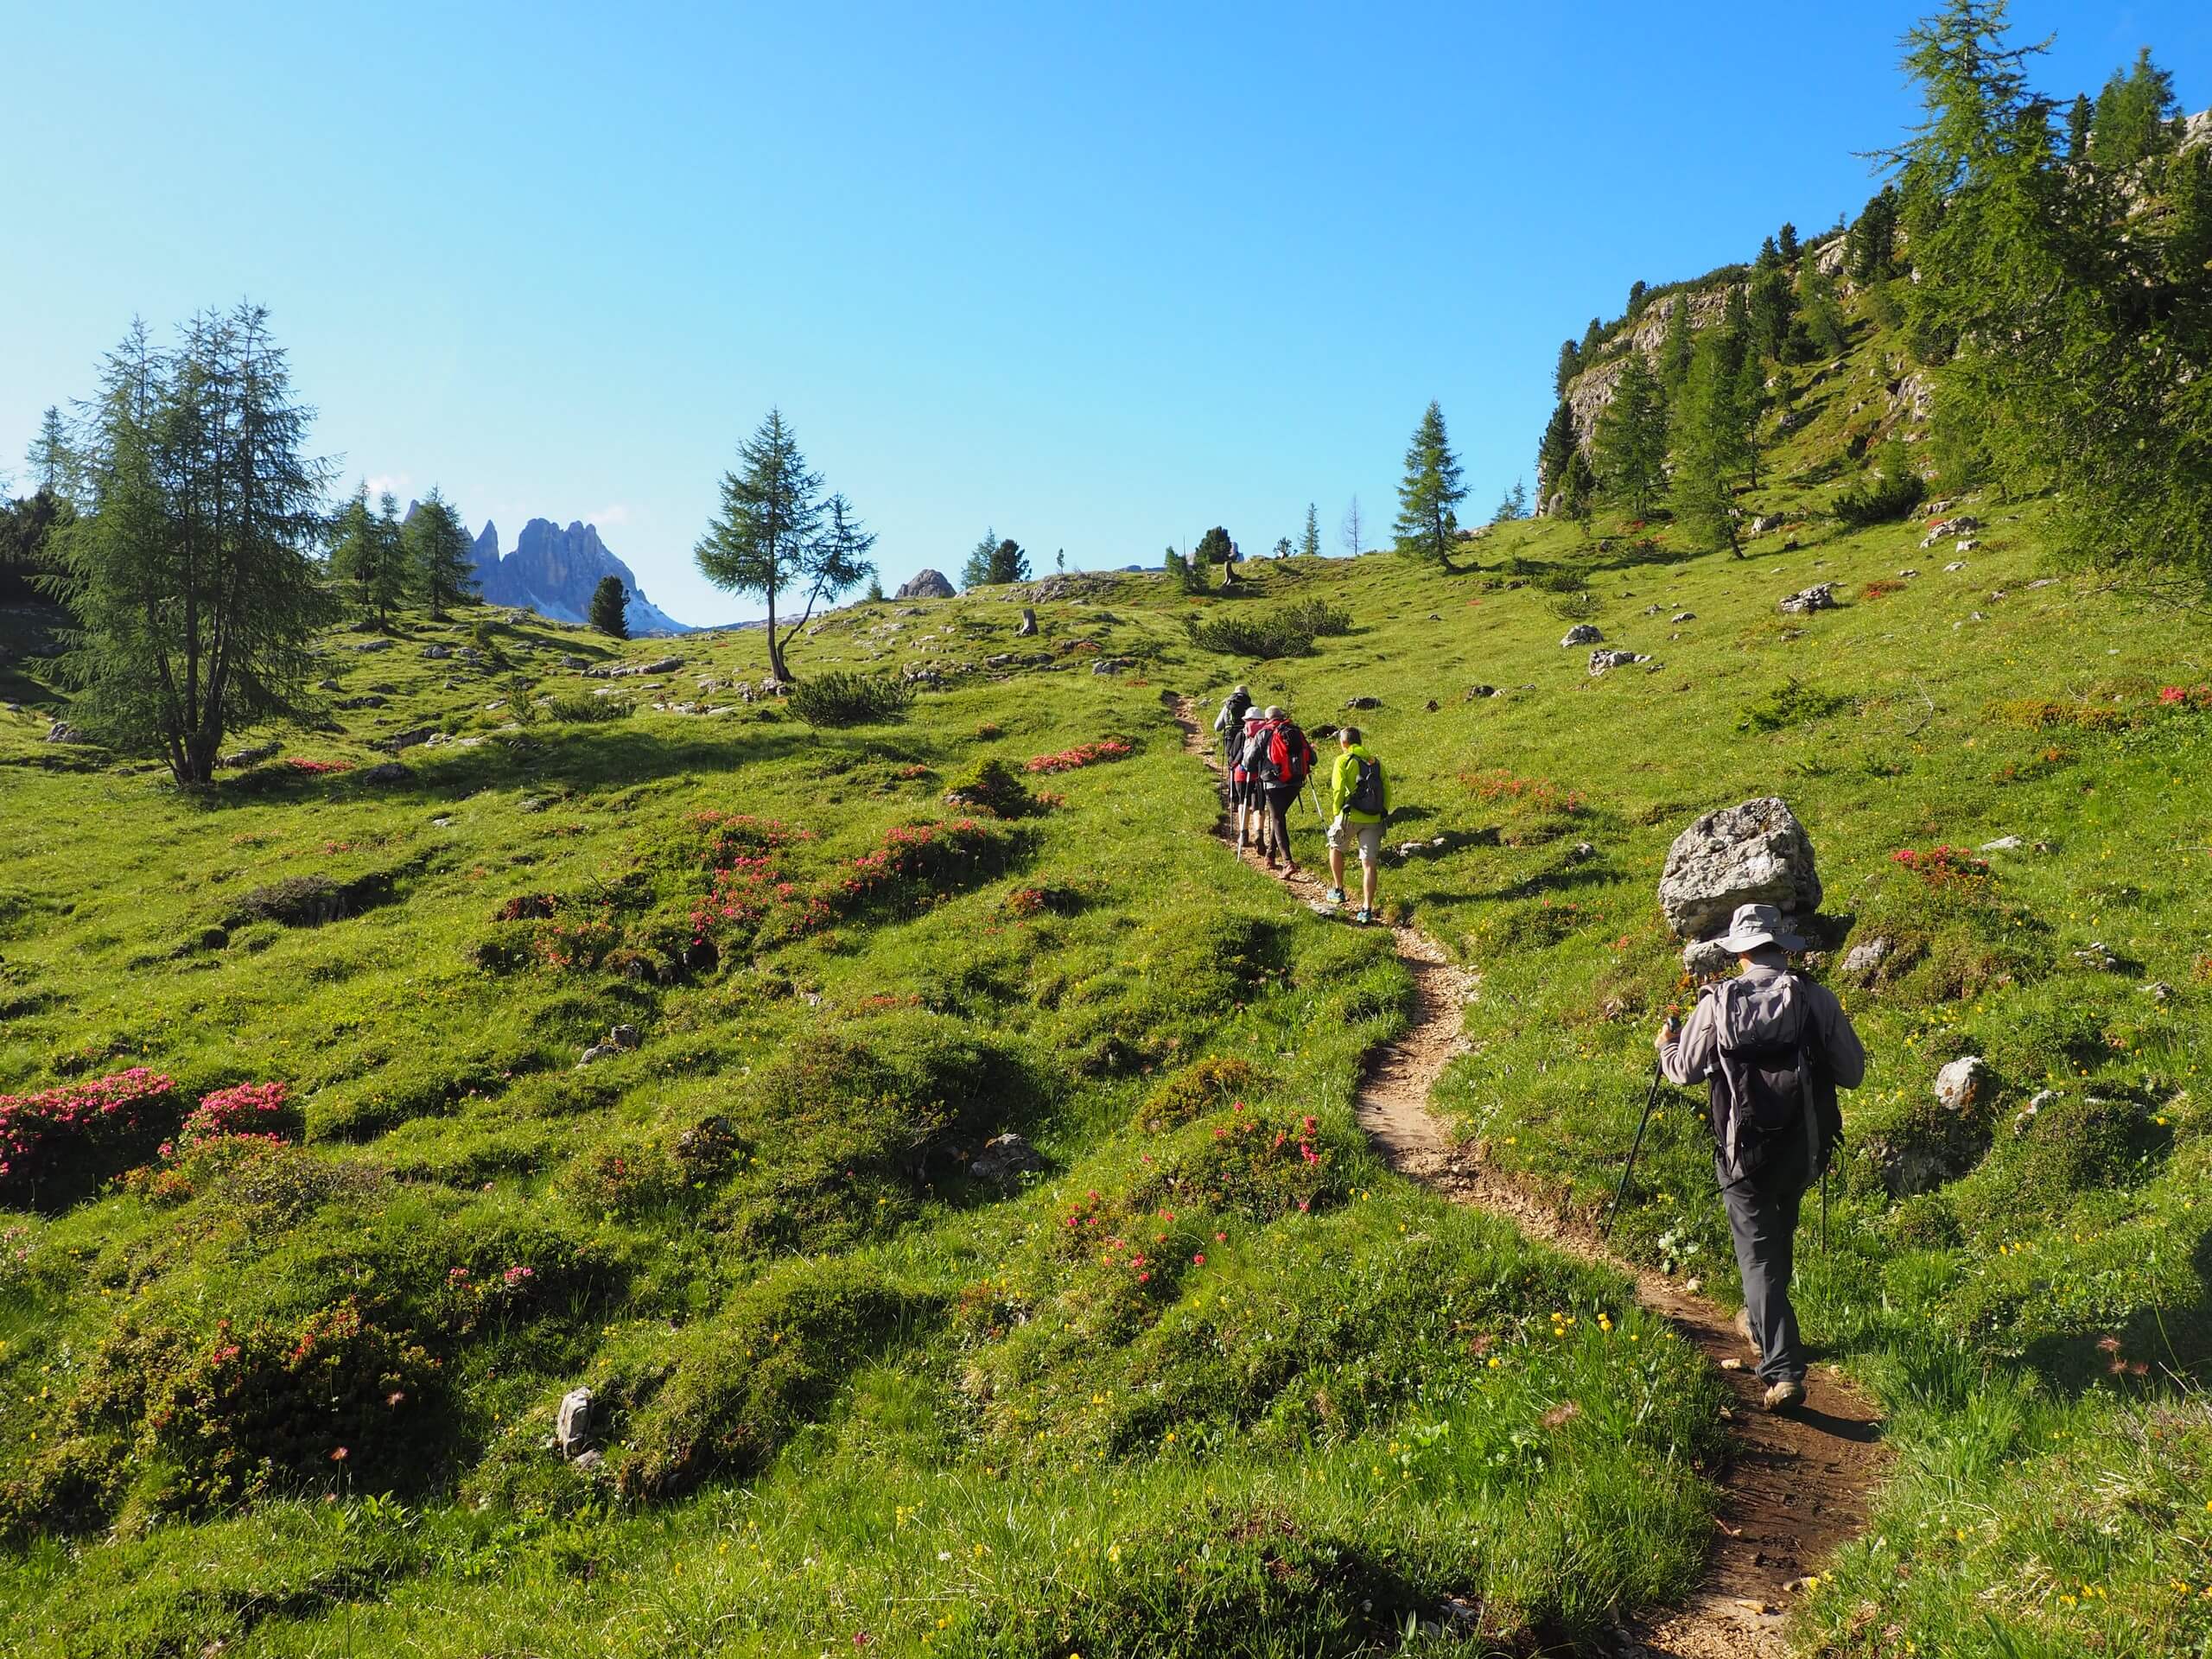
(1796, 1485)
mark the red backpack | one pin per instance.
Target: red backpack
(1290, 757)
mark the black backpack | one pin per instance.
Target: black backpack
(1367, 787)
(1765, 1095)
(1235, 708)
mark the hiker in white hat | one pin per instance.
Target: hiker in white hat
(1774, 1047)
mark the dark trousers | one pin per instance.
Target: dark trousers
(1762, 1219)
(1275, 802)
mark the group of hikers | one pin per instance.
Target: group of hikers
(1270, 764)
(1770, 1045)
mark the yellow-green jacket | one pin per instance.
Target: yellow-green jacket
(1344, 775)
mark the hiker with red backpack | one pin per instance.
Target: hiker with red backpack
(1280, 759)
(1774, 1047)
(1243, 787)
(1359, 803)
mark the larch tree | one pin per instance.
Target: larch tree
(53, 461)
(1630, 443)
(437, 551)
(1309, 544)
(1430, 493)
(1352, 532)
(191, 566)
(1708, 439)
(770, 538)
(368, 552)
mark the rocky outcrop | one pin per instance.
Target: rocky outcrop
(1755, 853)
(553, 571)
(924, 584)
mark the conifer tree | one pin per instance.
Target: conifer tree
(1709, 449)
(1787, 243)
(1352, 531)
(2130, 115)
(1631, 441)
(1578, 489)
(1675, 345)
(1770, 257)
(1750, 406)
(437, 553)
(1309, 544)
(1637, 290)
(190, 567)
(2078, 122)
(1558, 443)
(1594, 340)
(53, 462)
(610, 608)
(1570, 365)
(770, 538)
(367, 552)
(1771, 307)
(1822, 311)
(1429, 496)
(975, 570)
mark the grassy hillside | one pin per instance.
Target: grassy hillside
(1209, 1380)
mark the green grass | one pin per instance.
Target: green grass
(846, 1387)
(851, 1390)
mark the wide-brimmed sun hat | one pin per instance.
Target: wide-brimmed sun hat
(1754, 926)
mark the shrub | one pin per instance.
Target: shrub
(1876, 500)
(847, 698)
(581, 708)
(992, 787)
(1252, 1163)
(72, 1137)
(743, 1381)
(1317, 617)
(1205, 1086)
(1792, 703)
(1881, 587)
(915, 862)
(297, 901)
(1261, 637)
(260, 1110)
(1083, 754)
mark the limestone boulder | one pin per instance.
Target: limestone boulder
(1754, 853)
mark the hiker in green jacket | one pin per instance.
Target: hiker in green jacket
(1359, 801)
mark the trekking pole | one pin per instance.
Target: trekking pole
(1650, 1100)
(1824, 1209)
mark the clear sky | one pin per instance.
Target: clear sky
(1099, 276)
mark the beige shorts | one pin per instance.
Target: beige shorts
(1370, 836)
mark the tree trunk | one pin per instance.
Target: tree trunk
(775, 645)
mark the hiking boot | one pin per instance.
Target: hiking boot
(1362, 917)
(1334, 896)
(1789, 1392)
(1743, 1330)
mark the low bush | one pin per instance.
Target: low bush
(61, 1143)
(1792, 703)
(581, 708)
(1261, 637)
(848, 697)
(297, 901)
(1252, 1164)
(1892, 492)
(1083, 754)
(1206, 1086)
(992, 787)
(1317, 617)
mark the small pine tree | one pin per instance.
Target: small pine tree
(1428, 499)
(1751, 400)
(1309, 544)
(1631, 440)
(1281, 548)
(1786, 241)
(1822, 314)
(2130, 115)
(1214, 548)
(368, 552)
(1352, 532)
(1558, 443)
(53, 462)
(436, 551)
(1008, 563)
(1593, 341)
(2188, 247)
(874, 594)
(610, 608)
(1770, 257)
(1674, 347)
(975, 570)
(1772, 306)
(1578, 489)
(1570, 365)
(1709, 443)
(1637, 290)
(2078, 119)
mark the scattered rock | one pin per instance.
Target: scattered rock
(662, 665)
(530, 804)
(374, 645)
(1955, 566)
(385, 772)
(1963, 1082)
(1362, 702)
(1702, 959)
(1683, 616)
(62, 732)
(2158, 990)
(1819, 597)
(1949, 530)
(2098, 954)
(1004, 1157)
(1027, 628)
(572, 1423)
(576, 661)
(1966, 545)
(437, 653)
(924, 584)
(1766, 522)
(1603, 659)
(1582, 634)
(1112, 665)
(2002, 844)
(1754, 853)
(584, 1462)
(2040, 581)
(624, 1036)
(1862, 961)
(1474, 691)
(597, 1053)
(2024, 1119)
(1907, 574)
(325, 685)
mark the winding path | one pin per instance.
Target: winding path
(1796, 1485)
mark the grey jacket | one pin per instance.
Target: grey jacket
(1766, 1001)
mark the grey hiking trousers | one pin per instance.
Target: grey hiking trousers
(1762, 1219)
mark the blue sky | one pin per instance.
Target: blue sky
(1097, 276)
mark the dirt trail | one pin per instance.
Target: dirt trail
(1796, 1485)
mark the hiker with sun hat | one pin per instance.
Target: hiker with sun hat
(1773, 1047)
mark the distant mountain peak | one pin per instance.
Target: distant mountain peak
(553, 571)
